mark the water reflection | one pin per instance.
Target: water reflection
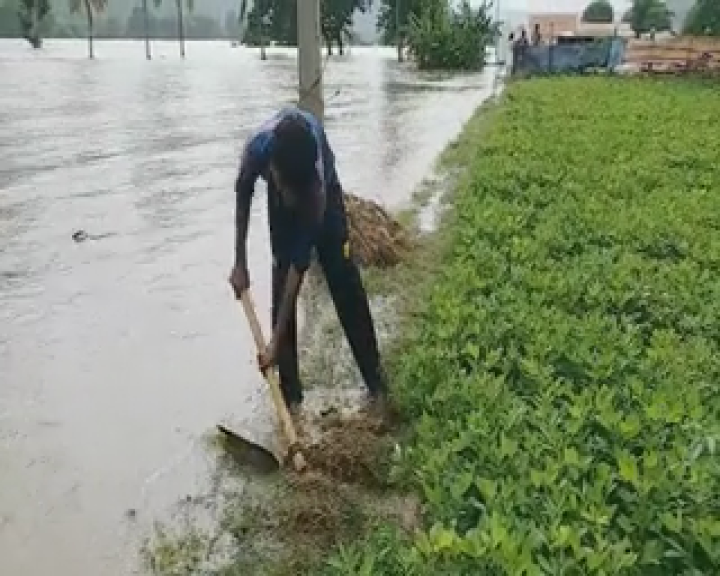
(131, 346)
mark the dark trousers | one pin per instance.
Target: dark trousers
(353, 309)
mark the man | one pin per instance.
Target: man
(291, 153)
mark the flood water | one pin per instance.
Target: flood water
(117, 355)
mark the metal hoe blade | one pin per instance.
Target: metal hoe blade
(248, 454)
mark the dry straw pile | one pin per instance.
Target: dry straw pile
(376, 238)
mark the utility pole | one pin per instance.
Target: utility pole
(310, 58)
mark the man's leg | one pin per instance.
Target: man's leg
(287, 350)
(353, 309)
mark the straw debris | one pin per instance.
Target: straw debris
(376, 238)
(316, 506)
(351, 451)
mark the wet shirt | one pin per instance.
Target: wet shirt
(292, 240)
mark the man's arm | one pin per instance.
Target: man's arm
(250, 168)
(243, 199)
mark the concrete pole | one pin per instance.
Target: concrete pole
(310, 58)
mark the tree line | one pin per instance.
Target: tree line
(276, 21)
(37, 19)
(437, 33)
(645, 16)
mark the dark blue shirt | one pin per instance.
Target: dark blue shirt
(293, 239)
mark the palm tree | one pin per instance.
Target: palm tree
(241, 18)
(30, 15)
(180, 20)
(92, 7)
(146, 15)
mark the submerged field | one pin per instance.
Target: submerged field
(562, 366)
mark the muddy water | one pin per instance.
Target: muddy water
(117, 355)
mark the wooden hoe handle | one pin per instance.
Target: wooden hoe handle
(272, 380)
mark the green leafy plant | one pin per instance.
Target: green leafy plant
(562, 369)
(441, 37)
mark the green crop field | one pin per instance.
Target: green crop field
(564, 370)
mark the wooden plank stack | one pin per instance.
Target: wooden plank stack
(675, 55)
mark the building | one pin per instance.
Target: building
(553, 25)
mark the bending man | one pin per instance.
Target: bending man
(306, 211)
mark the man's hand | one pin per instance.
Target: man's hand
(239, 279)
(267, 358)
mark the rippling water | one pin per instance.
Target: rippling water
(117, 355)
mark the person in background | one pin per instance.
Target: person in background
(519, 47)
(523, 40)
(306, 211)
(536, 36)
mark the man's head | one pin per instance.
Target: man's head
(293, 160)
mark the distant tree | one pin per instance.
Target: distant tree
(599, 12)
(448, 37)
(9, 20)
(337, 18)
(627, 17)
(394, 20)
(242, 18)
(92, 7)
(277, 20)
(31, 14)
(180, 20)
(260, 22)
(703, 19)
(274, 20)
(647, 15)
(232, 24)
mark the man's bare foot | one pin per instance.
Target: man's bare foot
(378, 407)
(298, 416)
